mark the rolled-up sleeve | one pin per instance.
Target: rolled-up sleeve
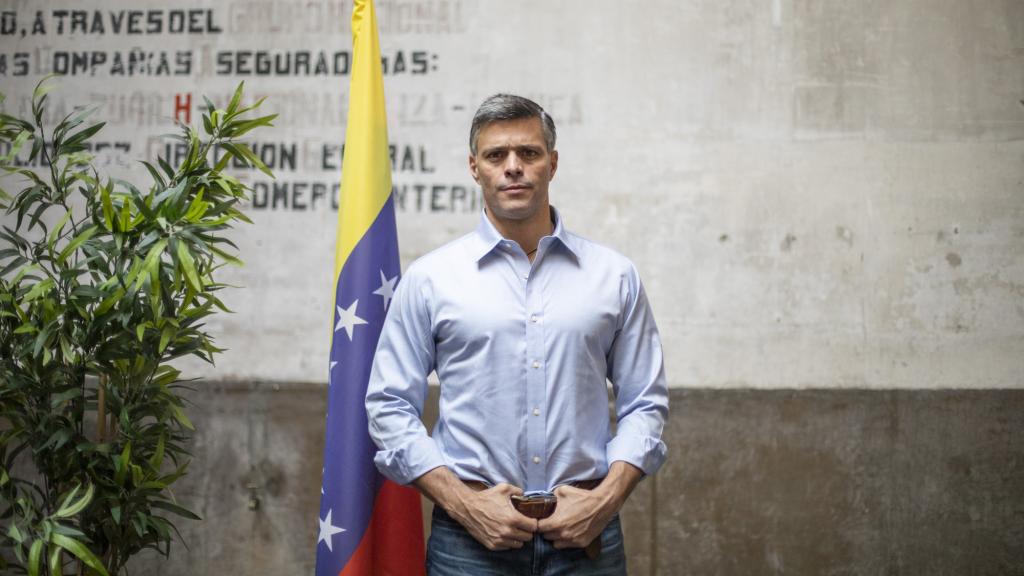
(636, 370)
(398, 386)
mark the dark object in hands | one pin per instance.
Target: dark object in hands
(540, 506)
(537, 506)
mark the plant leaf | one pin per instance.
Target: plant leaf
(108, 208)
(125, 217)
(165, 336)
(44, 86)
(121, 464)
(70, 508)
(241, 150)
(80, 552)
(179, 415)
(54, 560)
(74, 143)
(52, 238)
(187, 263)
(16, 146)
(109, 302)
(183, 512)
(15, 534)
(76, 242)
(58, 399)
(158, 455)
(35, 554)
(236, 98)
(39, 290)
(155, 174)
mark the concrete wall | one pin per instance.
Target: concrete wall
(772, 482)
(817, 194)
(825, 201)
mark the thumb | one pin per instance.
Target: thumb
(507, 489)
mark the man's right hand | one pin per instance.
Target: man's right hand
(488, 515)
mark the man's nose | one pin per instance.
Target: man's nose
(513, 167)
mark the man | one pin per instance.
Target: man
(523, 321)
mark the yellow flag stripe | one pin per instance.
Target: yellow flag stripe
(366, 168)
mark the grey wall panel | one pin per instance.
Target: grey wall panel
(757, 482)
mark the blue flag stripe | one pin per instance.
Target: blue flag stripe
(350, 480)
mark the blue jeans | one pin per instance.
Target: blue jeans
(452, 551)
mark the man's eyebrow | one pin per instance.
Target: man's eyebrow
(506, 147)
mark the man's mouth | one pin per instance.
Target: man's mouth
(515, 187)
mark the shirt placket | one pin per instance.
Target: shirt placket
(536, 359)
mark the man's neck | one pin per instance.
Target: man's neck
(527, 233)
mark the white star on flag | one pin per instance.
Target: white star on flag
(327, 531)
(330, 372)
(387, 288)
(348, 320)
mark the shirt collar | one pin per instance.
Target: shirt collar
(488, 237)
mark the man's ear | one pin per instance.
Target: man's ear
(472, 168)
(554, 162)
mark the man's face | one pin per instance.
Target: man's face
(513, 167)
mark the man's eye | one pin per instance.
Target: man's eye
(530, 154)
(493, 155)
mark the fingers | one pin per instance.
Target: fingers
(568, 529)
(554, 524)
(523, 523)
(506, 489)
(515, 519)
(495, 523)
(521, 535)
(507, 538)
(567, 491)
(561, 491)
(553, 533)
(564, 537)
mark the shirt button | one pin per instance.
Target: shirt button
(536, 411)
(533, 318)
(536, 459)
(536, 364)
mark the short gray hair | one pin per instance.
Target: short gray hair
(503, 107)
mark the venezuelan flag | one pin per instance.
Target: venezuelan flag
(368, 525)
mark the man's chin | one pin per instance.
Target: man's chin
(515, 211)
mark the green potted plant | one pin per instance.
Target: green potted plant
(102, 285)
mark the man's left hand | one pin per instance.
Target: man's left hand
(579, 517)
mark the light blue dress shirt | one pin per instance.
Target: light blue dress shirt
(523, 351)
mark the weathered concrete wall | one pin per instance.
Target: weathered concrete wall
(851, 482)
(825, 200)
(824, 194)
(768, 482)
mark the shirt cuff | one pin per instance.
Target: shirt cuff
(645, 452)
(408, 462)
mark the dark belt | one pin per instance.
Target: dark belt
(540, 509)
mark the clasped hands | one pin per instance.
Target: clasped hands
(579, 518)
